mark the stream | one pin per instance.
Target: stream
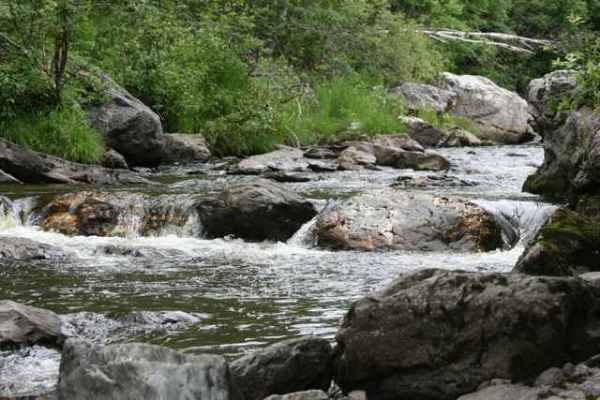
(228, 296)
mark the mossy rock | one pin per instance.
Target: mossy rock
(568, 244)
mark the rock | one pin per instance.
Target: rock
(458, 137)
(114, 160)
(128, 126)
(117, 214)
(353, 159)
(431, 182)
(286, 159)
(320, 153)
(23, 249)
(285, 177)
(141, 371)
(568, 244)
(261, 210)
(418, 96)
(7, 178)
(571, 160)
(290, 366)
(438, 334)
(139, 252)
(185, 148)
(504, 392)
(308, 395)
(390, 219)
(26, 325)
(423, 132)
(160, 318)
(552, 376)
(501, 115)
(322, 166)
(545, 95)
(31, 167)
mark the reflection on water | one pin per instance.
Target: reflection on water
(247, 294)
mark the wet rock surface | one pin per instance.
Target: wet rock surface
(25, 325)
(28, 250)
(7, 178)
(501, 115)
(290, 366)
(30, 167)
(132, 371)
(306, 395)
(393, 219)
(181, 148)
(261, 210)
(286, 159)
(438, 334)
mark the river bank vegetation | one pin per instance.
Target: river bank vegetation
(249, 75)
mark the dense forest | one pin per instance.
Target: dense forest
(250, 74)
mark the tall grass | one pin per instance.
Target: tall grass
(445, 120)
(341, 109)
(64, 133)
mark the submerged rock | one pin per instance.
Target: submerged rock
(128, 126)
(25, 325)
(141, 371)
(261, 210)
(567, 245)
(286, 367)
(31, 167)
(391, 219)
(419, 96)
(185, 148)
(545, 95)
(23, 249)
(435, 334)
(501, 115)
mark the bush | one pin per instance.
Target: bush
(341, 109)
(64, 132)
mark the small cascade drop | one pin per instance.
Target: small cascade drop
(304, 237)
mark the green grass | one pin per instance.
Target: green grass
(445, 120)
(64, 133)
(341, 109)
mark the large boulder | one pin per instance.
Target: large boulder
(285, 159)
(393, 219)
(567, 245)
(129, 126)
(501, 115)
(419, 96)
(30, 167)
(436, 334)
(260, 210)
(141, 371)
(116, 213)
(291, 366)
(572, 158)
(22, 249)
(184, 148)
(545, 96)
(26, 325)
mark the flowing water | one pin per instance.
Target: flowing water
(227, 296)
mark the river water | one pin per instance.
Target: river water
(227, 296)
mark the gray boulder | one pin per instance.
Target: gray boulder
(286, 159)
(128, 125)
(260, 210)
(501, 115)
(290, 366)
(307, 395)
(423, 132)
(572, 158)
(544, 96)
(141, 371)
(397, 220)
(22, 249)
(113, 160)
(418, 96)
(26, 325)
(354, 158)
(184, 148)
(30, 167)
(437, 334)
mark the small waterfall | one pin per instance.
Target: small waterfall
(130, 222)
(8, 216)
(304, 237)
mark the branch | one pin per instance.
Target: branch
(515, 43)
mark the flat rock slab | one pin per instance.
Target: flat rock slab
(25, 325)
(140, 371)
(397, 220)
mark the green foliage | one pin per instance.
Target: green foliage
(63, 132)
(445, 120)
(341, 109)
